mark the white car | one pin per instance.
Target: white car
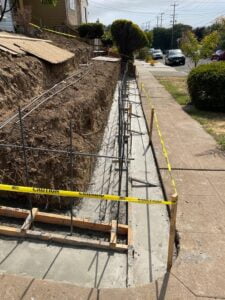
(157, 54)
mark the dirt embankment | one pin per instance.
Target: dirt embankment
(22, 78)
(86, 104)
(82, 50)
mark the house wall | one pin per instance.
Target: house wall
(72, 8)
(47, 15)
(7, 22)
(84, 11)
(76, 12)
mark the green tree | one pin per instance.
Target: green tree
(191, 46)
(197, 50)
(162, 36)
(209, 44)
(149, 35)
(128, 38)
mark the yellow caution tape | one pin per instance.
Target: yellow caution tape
(75, 194)
(164, 150)
(53, 31)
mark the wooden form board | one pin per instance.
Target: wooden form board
(57, 219)
(58, 238)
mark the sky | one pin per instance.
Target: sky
(196, 13)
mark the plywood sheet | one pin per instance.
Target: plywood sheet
(7, 35)
(9, 44)
(8, 50)
(45, 51)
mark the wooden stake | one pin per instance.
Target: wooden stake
(30, 219)
(172, 235)
(113, 234)
(151, 124)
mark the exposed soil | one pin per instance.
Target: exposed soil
(87, 104)
(24, 77)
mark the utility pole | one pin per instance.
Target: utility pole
(173, 23)
(162, 18)
(157, 21)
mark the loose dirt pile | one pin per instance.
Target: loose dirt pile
(86, 104)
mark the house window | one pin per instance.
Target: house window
(72, 4)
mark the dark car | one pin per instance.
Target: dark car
(174, 57)
(218, 55)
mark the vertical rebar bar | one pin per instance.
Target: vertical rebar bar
(71, 177)
(25, 161)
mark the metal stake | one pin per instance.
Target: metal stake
(25, 161)
(71, 177)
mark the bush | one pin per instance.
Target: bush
(206, 85)
(91, 30)
(128, 38)
(143, 53)
(107, 39)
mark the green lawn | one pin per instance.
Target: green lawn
(212, 122)
(176, 86)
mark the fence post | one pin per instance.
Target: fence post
(151, 124)
(173, 216)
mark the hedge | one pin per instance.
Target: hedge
(206, 85)
(91, 30)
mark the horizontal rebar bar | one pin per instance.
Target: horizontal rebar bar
(61, 151)
(35, 99)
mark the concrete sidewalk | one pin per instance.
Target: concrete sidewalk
(199, 169)
(200, 178)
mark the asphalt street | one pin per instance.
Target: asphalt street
(189, 65)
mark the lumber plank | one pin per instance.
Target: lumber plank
(113, 234)
(20, 37)
(27, 224)
(57, 219)
(11, 231)
(12, 212)
(58, 238)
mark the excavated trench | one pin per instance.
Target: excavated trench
(85, 105)
(91, 106)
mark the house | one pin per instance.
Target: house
(6, 23)
(66, 12)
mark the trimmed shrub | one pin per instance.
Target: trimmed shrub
(128, 38)
(91, 30)
(206, 85)
(107, 39)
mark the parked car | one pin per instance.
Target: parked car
(157, 54)
(218, 55)
(174, 57)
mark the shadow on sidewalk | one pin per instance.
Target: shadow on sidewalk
(160, 294)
